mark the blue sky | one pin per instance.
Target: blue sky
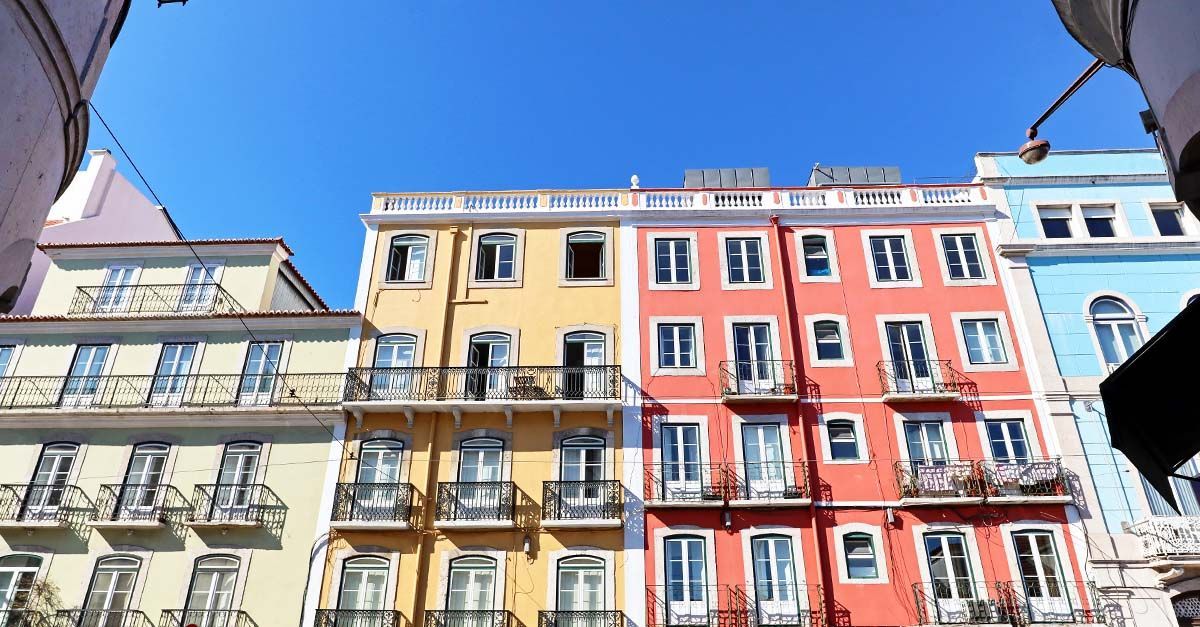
(280, 117)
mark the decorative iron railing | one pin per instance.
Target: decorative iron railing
(757, 378)
(580, 618)
(22, 618)
(1167, 536)
(575, 500)
(763, 481)
(1025, 477)
(940, 479)
(373, 502)
(696, 605)
(141, 503)
(687, 482)
(194, 390)
(511, 383)
(359, 618)
(775, 604)
(468, 618)
(918, 378)
(1047, 600)
(174, 298)
(101, 618)
(479, 500)
(41, 503)
(229, 503)
(205, 618)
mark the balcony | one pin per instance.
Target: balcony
(598, 618)
(941, 482)
(773, 604)
(920, 380)
(22, 618)
(1046, 601)
(767, 484)
(507, 389)
(149, 300)
(1171, 543)
(228, 506)
(359, 618)
(373, 506)
(475, 505)
(582, 504)
(758, 381)
(468, 618)
(696, 605)
(31, 506)
(101, 618)
(1036, 480)
(205, 618)
(681, 484)
(133, 506)
(170, 391)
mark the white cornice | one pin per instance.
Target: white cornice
(178, 325)
(1123, 246)
(1073, 179)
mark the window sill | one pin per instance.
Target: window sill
(677, 372)
(404, 285)
(968, 282)
(492, 284)
(875, 283)
(1004, 367)
(675, 287)
(831, 363)
(565, 282)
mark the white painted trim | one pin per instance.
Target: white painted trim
(1189, 223)
(661, 535)
(1079, 232)
(607, 330)
(518, 260)
(316, 561)
(632, 469)
(652, 261)
(418, 343)
(799, 569)
(972, 544)
(860, 437)
(1010, 362)
(830, 248)
(881, 321)
(144, 557)
(737, 421)
(18, 345)
(1060, 549)
(243, 556)
(981, 246)
(698, 344)
(910, 253)
(768, 282)
(610, 577)
(898, 419)
(876, 534)
(1032, 437)
(430, 253)
(349, 552)
(772, 323)
(609, 253)
(843, 322)
(449, 555)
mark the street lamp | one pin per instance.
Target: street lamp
(1035, 150)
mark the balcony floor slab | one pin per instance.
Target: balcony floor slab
(780, 502)
(369, 525)
(479, 525)
(31, 525)
(583, 523)
(1029, 499)
(940, 502)
(227, 524)
(126, 524)
(759, 398)
(684, 504)
(904, 397)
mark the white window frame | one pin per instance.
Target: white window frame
(985, 256)
(348, 553)
(656, 436)
(943, 417)
(143, 555)
(662, 534)
(969, 539)
(608, 261)
(447, 556)
(1032, 438)
(881, 321)
(1010, 364)
(18, 346)
(749, 534)
(1061, 546)
(830, 249)
(518, 279)
(607, 557)
(1079, 231)
(430, 252)
(910, 252)
(772, 323)
(810, 322)
(1183, 303)
(764, 240)
(876, 535)
(652, 261)
(1191, 227)
(860, 438)
(785, 441)
(698, 323)
(1139, 320)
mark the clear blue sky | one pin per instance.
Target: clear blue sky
(279, 117)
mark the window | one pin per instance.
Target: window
(260, 372)
(672, 261)
(364, 584)
(982, 338)
(395, 357)
(1037, 560)
(84, 378)
(926, 442)
(17, 576)
(1006, 439)
(681, 455)
(111, 588)
(744, 260)
(143, 483)
(890, 258)
(116, 294)
(6, 355)
(50, 478)
(774, 575)
(583, 361)
(379, 462)
(949, 566)
(497, 257)
(843, 440)
(200, 287)
(1100, 221)
(686, 579)
(211, 592)
(1056, 222)
(962, 257)
(487, 358)
(816, 256)
(406, 259)
(585, 255)
(171, 376)
(859, 549)
(234, 491)
(471, 584)
(581, 582)
(1169, 219)
(1116, 331)
(766, 467)
(829, 340)
(676, 346)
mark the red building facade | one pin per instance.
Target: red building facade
(837, 424)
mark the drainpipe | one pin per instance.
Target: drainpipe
(792, 332)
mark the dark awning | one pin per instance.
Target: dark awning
(1152, 409)
(1101, 26)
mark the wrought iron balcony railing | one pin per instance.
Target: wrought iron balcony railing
(510, 383)
(22, 618)
(940, 479)
(920, 379)
(233, 504)
(205, 618)
(175, 298)
(41, 504)
(468, 618)
(1047, 601)
(696, 605)
(373, 502)
(579, 500)
(767, 481)
(758, 378)
(579, 618)
(1025, 477)
(196, 390)
(687, 482)
(101, 618)
(1168, 536)
(475, 501)
(133, 503)
(359, 618)
(776, 604)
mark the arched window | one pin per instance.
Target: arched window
(395, 351)
(481, 459)
(496, 258)
(111, 588)
(859, 549)
(379, 461)
(843, 439)
(582, 458)
(364, 584)
(585, 255)
(50, 477)
(1116, 330)
(213, 582)
(406, 259)
(17, 576)
(144, 477)
(774, 570)
(472, 584)
(581, 584)
(489, 354)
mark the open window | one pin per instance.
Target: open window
(406, 258)
(586, 256)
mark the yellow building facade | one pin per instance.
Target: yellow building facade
(483, 483)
